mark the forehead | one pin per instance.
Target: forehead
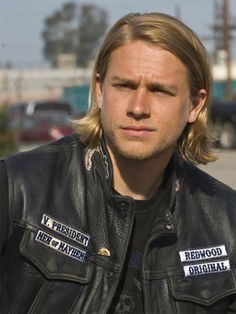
(142, 58)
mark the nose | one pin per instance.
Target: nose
(138, 106)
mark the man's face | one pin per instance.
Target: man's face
(145, 101)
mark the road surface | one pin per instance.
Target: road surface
(224, 168)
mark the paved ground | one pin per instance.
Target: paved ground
(224, 168)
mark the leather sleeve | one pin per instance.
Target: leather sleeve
(3, 204)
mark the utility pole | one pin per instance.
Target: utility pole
(178, 11)
(227, 48)
(222, 28)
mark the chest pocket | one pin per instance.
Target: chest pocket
(56, 260)
(211, 293)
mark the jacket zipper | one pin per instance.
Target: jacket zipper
(112, 294)
(122, 265)
(146, 247)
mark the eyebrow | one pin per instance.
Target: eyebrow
(117, 79)
(160, 86)
(151, 86)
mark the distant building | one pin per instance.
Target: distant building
(70, 82)
(66, 61)
(33, 84)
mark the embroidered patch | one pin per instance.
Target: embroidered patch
(215, 254)
(88, 157)
(60, 246)
(105, 160)
(67, 231)
(206, 268)
(177, 185)
(202, 254)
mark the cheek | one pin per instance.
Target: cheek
(172, 117)
(112, 105)
(109, 113)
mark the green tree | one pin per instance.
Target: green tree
(74, 29)
(7, 136)
(92, 25)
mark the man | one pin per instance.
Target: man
(117, 219)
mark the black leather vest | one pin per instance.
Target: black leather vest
(69, 233)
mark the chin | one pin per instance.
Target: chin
(143, 151)
(137, 154)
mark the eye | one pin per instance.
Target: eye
(124, 86)
(120, 85)
(160, 90)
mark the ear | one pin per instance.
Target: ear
(98, 90)
(197, 104)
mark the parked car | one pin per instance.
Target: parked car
(223, 115)
(32, 107)
(42, 127)
(19, 110)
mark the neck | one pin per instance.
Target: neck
(139, 179)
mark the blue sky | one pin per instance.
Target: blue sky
(21, 22)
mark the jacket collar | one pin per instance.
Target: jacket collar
(171, 182)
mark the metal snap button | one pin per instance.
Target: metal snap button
(123, 206)
(169, 226)
(109, 274)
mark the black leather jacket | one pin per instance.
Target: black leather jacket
(68, 235)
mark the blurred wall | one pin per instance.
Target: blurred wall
(33, 84)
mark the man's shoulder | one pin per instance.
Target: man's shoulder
(62, 145)
(59, 150)
(198, 180)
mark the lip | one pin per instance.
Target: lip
(137, 131)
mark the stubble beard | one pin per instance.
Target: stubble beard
(136, 149)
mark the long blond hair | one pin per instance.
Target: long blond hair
(166, 32)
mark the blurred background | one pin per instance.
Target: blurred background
(47, 50)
